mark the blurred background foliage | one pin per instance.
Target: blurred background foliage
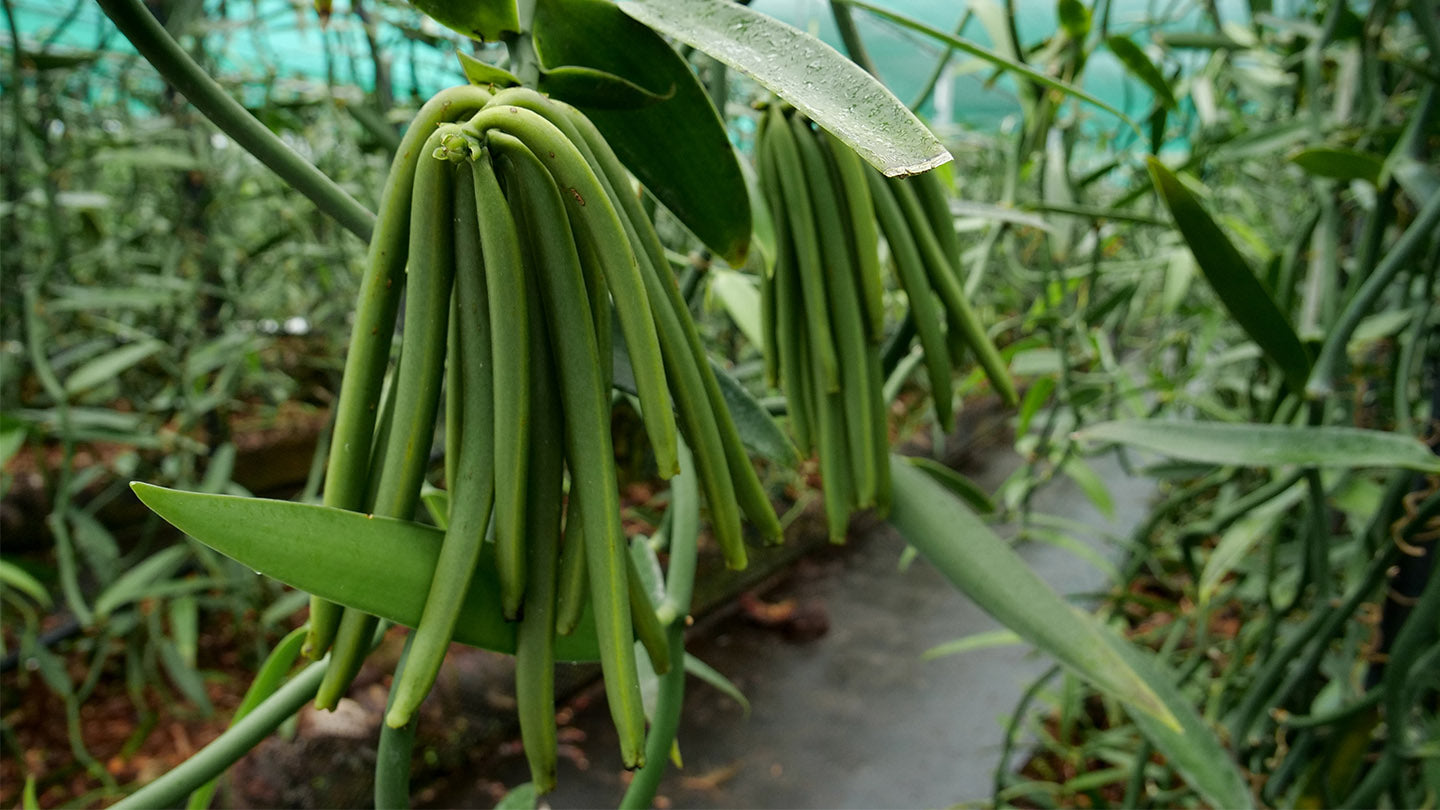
(164, 297)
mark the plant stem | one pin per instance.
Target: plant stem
(171, 789)
(668, 703)
(162, 51)
(850, 35)
(1420, 232)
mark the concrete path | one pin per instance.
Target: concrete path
(853, 718)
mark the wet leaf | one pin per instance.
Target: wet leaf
(830, 89)
(378, 565)
(1249, 445)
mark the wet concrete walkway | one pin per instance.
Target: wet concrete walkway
(853, 718)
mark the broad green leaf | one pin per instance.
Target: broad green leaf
(1339, 164)
(830, 89)
(13, 576)
(1000, 61)
(485, 20)
(134, 584)
(959, 485)
(977, 641)
(737, 294)
(1235, 284)
(484, 73)
(1139, 65)
(596, 89)
(1249, 445)
(1237, 541)
(712, 676)
(678, 148)
(1191, 748)
(110, 365)
(378, 565)
(984, 566)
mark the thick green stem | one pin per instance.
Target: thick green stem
(165, 54)
(1415, 238)
(171, 789)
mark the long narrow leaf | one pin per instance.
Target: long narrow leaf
(1250, 445)
(830, 89)
(378, 565)
(1002, 62)
(984, 566)
(1244, 297)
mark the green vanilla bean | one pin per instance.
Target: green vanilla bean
(417, 386)
(348, 466)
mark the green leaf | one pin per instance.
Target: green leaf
(377, 565)
(984, 566)
(1248, 445)
(1237, 541)
(521, 797)
(484, 73)
(678, 148)
(185, 677)
(13, 576)
(110, 365)
(830, 89)
(1091, 484)
(596, 89)
(976, 641)
(1244, 297)
(759, 431)
(1135, 61)
(12, 436)
(958, 485)
(1339, 164)
(267, 681)
(1074, 18)
(185, 627)
(712, 676)
(996, 60)
(134, 584)
(485, 20)
(1191, 748)
(737, 294)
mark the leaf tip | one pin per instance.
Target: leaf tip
(923, 166)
